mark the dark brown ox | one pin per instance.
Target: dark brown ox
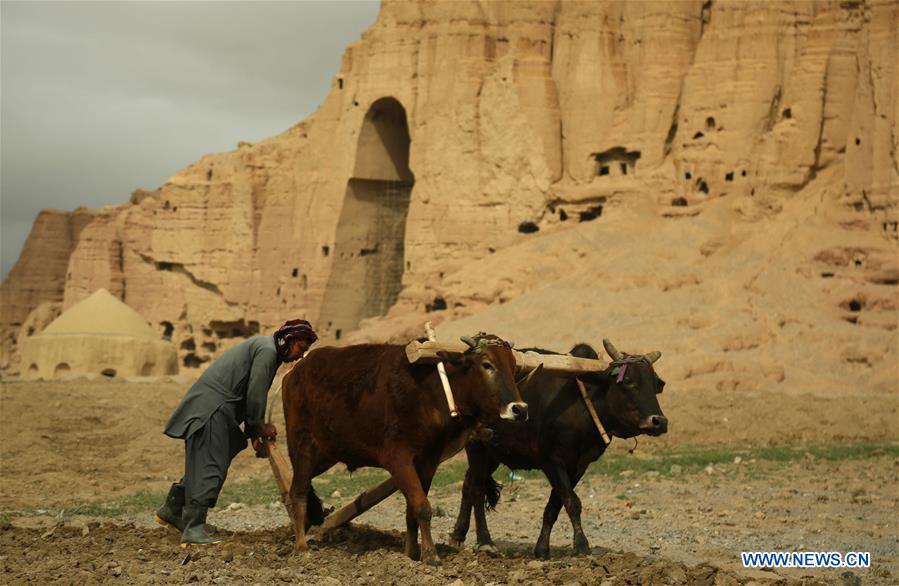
(366, 405)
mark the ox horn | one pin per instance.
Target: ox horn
(526, 381)
(469, 341)
(613, 352)
(653, 356)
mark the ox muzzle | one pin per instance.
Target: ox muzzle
(654, 425)
(517, 411)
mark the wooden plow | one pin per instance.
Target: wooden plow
(427, 353)
(362, 503)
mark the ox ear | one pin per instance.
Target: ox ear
(527, 381)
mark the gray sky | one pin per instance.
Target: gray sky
(101, 98)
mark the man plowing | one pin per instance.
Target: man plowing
(233, 390)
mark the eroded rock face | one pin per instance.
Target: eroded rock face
(39, 276)
(42, 316)
(520, 119)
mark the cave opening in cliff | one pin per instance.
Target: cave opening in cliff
(606, 161)
(369, 248)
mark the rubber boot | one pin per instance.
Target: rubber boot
(169, 514)
(195, 527)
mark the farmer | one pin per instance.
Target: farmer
(232, 390)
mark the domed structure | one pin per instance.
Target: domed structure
(99, 335)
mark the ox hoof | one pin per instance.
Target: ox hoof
(582, 547)
(541, 553)
(300, 548)
(455, 544)
(487, 548)
(431, 560)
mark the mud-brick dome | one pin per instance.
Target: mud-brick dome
(98, 335)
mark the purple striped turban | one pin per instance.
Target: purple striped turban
(295, 329)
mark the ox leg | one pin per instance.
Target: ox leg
(463, 520)
(563, 486)
(411, 547)
(303, 464)
(550, 514)
(428, 548)
(580, 543)
(418, 510)
(473, 496)
(478, 499)
(315, 510)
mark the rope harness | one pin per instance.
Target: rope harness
(618, 369)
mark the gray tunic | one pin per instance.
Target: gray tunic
(241, 376)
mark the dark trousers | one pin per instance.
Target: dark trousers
(207, 455)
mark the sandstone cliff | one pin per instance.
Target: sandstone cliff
(705, 178)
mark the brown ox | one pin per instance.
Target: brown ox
(366, 405)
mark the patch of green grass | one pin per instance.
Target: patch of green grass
(693, 461)
(264, 491)
(348, 483)
(249, 492)
(449, 474)
(134, 503)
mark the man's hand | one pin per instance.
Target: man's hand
(260, 448)
(269, 432)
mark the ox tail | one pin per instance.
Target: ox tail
(492, 491)
(315, 513)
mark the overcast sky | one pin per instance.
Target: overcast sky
(101, 98)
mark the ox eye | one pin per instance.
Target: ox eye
(487, 366)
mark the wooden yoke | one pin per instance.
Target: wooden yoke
(560, 364)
